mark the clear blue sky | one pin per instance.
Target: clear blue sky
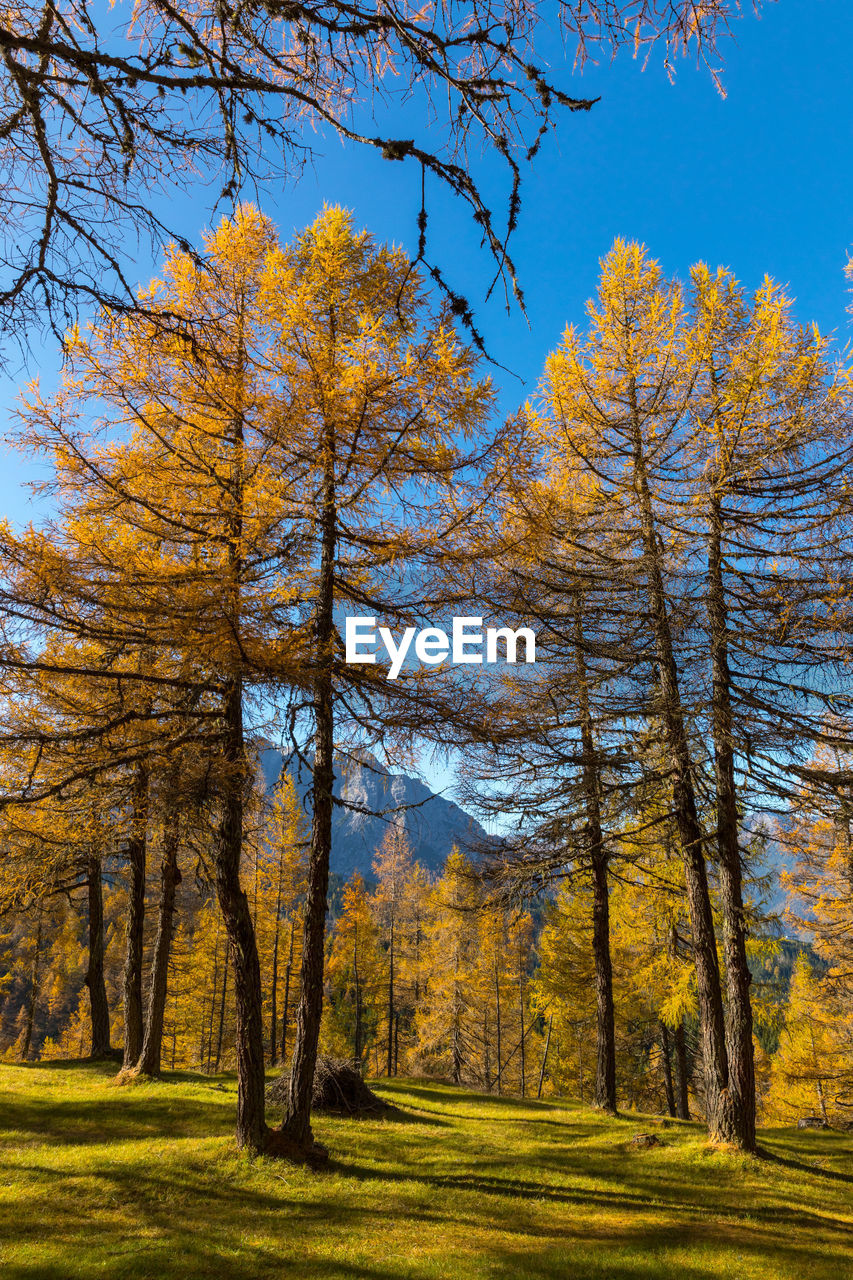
(761, 181)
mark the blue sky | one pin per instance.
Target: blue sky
(760, 181)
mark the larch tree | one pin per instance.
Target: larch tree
(383, 398)
(287, 838)
(180, 528)
(101, 112)
(445, 1019)
(355, 979)
(393, 869)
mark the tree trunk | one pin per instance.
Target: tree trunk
(222, 996)
(170, 878)
(297, 1125)
(208, 1060)
(667, 1069)
(390, 1061)
(285, 1014)
(521, 1023)
(274, 982)
(234, 905)
(94, 980)
(357, 1048)
(682, 1075)
(497, 1029)
(709, 990)
(132, 978)
(396, 1042)
(741, 1118)
(228, 846)
(605, 1069)
(545, 1056)
(34, 994)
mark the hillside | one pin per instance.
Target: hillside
(373, 798)
(142, 1183)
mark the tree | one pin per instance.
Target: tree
(354, 973)
(178, 535)
(704, 427)
(811, 1068)
(445, 1019)
(393, 869)
(286, 837)
(100, 117)
(384, 401)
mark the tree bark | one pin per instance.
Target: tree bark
(498, 1047)
(666, 1063)
(170, 878)
(521, 1023)
(682, 1074)
(94, 980)
(545, 1056)
(132, 978)
(709, 989)
(605, 1069)
(34, 994)
(234, 905)
(285, 1013)
(274, 980)
(221, 1030)
(741, 1117)
(297, 1125)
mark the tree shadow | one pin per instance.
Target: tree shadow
(800, 1166)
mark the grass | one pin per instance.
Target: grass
(143, 1183)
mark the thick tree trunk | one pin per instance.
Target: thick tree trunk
(98, 1005)
(682, 1074)
(741, 1117)
(234, 905)
(170, 878)
(666, 1063)
(709, 990)
(297, 1125)
(132, 978)
(605, 1070)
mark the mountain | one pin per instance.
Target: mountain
(432, 823)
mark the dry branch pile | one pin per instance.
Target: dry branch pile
(338, 1088)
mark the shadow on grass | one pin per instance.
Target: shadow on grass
(105, 1119)
(390, 1114)
(801, 1166)
(443, 1091)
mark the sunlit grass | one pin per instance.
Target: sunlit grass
(144, 1182)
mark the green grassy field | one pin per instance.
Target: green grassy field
(144, 1182)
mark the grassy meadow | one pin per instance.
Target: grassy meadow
(144, 1183)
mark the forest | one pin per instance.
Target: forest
(670, 515)
(251, 441)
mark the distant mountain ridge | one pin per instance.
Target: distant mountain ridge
(432, 823)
